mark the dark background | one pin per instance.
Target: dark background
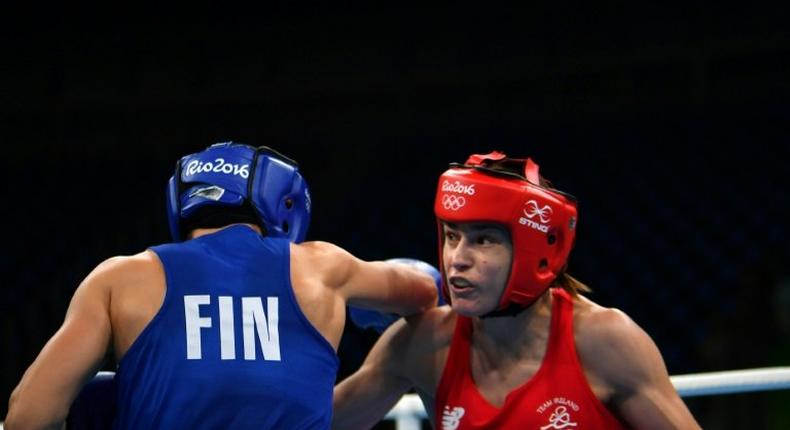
(669, 125)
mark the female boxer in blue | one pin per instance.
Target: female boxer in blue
(233, 325)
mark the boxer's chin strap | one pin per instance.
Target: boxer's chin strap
(512, 310)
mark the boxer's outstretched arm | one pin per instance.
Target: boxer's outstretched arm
(378, 285)
(69, 358)
(364, 398)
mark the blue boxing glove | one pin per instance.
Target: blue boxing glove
(366, 318)
(94, 407)
(379, 321)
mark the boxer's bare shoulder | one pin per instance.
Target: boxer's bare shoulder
(137, 288)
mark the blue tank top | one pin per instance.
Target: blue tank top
(230, 347)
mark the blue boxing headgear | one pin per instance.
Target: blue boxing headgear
(234, 175)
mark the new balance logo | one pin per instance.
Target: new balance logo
(451, 418)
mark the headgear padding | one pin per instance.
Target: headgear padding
(231, 175)
(541, 220)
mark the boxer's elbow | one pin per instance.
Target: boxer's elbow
(23, 414)
(425, 297)
(13, 419)
(341, 403)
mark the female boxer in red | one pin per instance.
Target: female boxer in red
(518, 347)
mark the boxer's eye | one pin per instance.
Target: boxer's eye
(485, 240)
(450, 236)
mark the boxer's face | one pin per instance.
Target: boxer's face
(477, 259)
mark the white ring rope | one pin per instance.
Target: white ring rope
(695, 384)
(409, 410)
(732, 381)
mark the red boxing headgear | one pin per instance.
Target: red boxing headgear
(507, 191)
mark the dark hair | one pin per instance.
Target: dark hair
(218, 216)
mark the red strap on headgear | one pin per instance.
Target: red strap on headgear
(531, 171)
(479, 159)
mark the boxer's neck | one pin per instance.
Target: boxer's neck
(204, 231)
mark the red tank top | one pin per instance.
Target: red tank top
(556, 397)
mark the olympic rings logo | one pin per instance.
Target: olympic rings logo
(452, 202)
